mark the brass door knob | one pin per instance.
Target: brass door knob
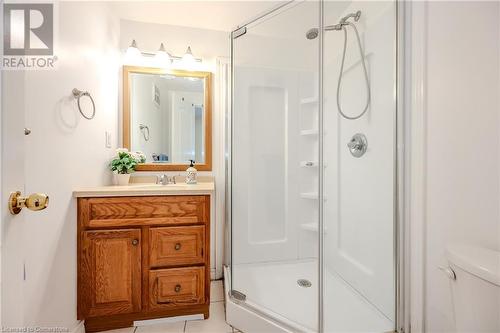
(35, 201)
(135, 242)
(177, 246)
(177, 288)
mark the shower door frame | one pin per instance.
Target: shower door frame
(401, 153)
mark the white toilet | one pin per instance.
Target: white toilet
(475, 274)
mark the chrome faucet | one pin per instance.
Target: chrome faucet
(161, 179)
(165, 179)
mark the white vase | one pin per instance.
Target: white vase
(122, 179)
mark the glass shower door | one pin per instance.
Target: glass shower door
(307, 126)
(274, 166)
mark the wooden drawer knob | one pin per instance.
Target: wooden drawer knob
(177, 246)
(177, 288)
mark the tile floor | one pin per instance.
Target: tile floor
(215, 324)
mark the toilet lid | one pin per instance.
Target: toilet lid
(478, 261)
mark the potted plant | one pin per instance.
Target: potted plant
(124, 164)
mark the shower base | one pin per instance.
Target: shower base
(279, 304)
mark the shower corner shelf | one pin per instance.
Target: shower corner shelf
(311, 196)
(308, 164)
(309, 100)
(313, 226)
(309, 132)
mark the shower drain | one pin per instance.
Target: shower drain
(304, 283)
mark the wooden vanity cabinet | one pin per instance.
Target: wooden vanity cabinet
(142, 258)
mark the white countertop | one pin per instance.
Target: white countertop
(144, 189)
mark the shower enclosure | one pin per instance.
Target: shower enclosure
(312, 170)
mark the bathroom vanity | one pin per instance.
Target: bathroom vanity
(143, 253)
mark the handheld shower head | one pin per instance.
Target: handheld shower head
(355, 15)
(343, 21)
(314, 32)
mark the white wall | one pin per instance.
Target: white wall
(461, 141)
(13, 105)
(64, 151)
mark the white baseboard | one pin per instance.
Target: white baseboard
(177, 319)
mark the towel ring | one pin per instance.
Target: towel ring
(144, 129)
(77, 94)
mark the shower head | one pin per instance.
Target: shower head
(312, 33)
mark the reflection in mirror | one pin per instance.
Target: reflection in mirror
(167, 117)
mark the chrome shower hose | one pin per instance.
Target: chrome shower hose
(368, 98)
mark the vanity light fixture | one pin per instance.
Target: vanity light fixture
(162, 57)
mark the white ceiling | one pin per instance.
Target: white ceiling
(213, 15)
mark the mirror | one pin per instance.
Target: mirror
(167, 116)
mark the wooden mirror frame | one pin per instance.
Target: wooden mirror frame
(207, 77)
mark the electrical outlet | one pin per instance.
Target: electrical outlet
(108, 139)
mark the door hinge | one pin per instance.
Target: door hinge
(239, 32)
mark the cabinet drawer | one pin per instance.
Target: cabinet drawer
(177, 286)
(171, 246)
(125, 211)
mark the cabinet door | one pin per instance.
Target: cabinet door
(110, 272)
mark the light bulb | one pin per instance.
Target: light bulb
(162, 58)
(133, 51)
(188, 58)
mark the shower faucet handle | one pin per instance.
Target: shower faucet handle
(354, 144)
(358, 145)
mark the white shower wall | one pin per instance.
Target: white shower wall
(274, 194)
(269, 204)
(359, 236)
(359, 207)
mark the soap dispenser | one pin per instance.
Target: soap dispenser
(191, 173)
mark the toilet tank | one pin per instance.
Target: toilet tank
(476, 289)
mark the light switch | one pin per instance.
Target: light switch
(108, 139)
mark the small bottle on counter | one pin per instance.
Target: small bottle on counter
(191, 173)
